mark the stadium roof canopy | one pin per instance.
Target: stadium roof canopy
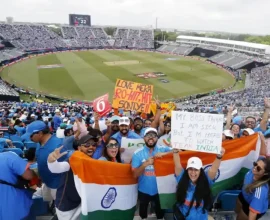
(229, 42)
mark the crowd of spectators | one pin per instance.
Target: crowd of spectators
(6, 90)
(248, 101)
(134, 38)
(29, 36)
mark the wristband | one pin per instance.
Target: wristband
(175, 151)
(219, 157)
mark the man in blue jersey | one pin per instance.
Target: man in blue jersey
(40, 133)
(15, 202)
(143, 168)
(124, 131)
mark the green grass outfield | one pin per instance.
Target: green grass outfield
(85, 76)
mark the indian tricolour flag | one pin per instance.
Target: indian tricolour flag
(239, 157)
(108, 190)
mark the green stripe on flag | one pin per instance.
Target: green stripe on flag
(115, 214)
(167, 200)
(226, 184)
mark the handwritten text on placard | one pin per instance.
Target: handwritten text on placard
(132, 96)
(197, 131)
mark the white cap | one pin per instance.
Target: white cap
(194, 162)
(228, 133)
(65, 119)
(57, 110)
(147, 130)
(124, 121)
(33, 115)
(249, 131)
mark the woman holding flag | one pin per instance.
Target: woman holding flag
(252, 202)
(193, 194)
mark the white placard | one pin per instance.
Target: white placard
(197, 131)
(130, 146)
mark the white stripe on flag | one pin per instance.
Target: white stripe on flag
(92, 196)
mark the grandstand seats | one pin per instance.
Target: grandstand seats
(18, 151)
(32, 36)
(134, 38)
(176, 49)
(30, 144)
(230, 59)
(18, 144)
(6, 90)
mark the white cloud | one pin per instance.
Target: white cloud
(241, 16)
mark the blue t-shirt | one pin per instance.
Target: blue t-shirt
(42, 153)
(258, 199)
(3, 144)
(103, 158)
(68, 142)
(14, 203)
(56, 122)
(131, 134)
(194, 213)
(99, 150)
(20, 130)
(147, 181)
(26, 137)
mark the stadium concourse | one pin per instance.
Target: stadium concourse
(26, 125)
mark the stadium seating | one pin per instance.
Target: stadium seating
(176, 49)
(134, 38)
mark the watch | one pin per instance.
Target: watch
(219, 157)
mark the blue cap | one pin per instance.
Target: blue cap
(79, 115)
(237, 120)
(72, 119)
(35, 127)
(69, 127)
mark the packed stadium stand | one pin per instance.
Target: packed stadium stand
(134, 38)
(31, 37)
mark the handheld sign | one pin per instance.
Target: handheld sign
(101, 105)
(132, 96)
(197, 131)
(130, 146)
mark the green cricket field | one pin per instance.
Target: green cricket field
(85, 75)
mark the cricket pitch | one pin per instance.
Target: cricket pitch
(120, 63)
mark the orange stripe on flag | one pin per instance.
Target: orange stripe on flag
(234, 149)
(100, 172)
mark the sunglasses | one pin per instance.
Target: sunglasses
(168, 125)
(124, 120)
(93, 144)
(151, 135)
(258, 168)
(111, 145)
